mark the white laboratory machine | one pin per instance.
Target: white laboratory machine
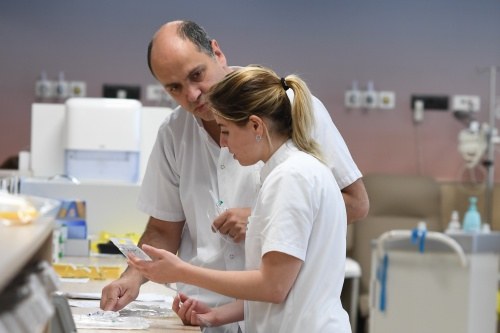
(95, 150)
(437, 283)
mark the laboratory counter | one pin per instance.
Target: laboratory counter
(164, 324)
(171, 324)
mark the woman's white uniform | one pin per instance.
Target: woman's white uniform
(186, 163)
(299, 211)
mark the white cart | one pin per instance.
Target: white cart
(450, 286)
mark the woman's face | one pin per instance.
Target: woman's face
(242, 141)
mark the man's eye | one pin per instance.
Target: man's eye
(196, 76)
(172, 90)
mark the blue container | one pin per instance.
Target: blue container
(472, 218)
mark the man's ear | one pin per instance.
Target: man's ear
(219, 55)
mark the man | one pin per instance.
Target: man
(188, 171)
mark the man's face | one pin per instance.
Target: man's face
(186, 73)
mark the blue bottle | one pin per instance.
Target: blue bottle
(472, 219)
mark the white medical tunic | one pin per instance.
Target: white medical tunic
(299, 211)
(186, 163)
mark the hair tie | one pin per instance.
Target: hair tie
(283, 83)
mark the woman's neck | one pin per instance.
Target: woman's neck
(274, 145)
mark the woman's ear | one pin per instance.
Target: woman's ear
(257, 124)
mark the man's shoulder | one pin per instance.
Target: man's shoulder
(177, 119)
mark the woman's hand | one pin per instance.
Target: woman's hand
(193, 312)
(165, 266)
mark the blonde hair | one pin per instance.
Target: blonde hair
(256, 90)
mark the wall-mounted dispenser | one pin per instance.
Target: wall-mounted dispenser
(102, 140)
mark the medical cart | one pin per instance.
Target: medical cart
(430, 282)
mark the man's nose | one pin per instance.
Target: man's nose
(193, 93)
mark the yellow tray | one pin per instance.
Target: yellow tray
(91, 271)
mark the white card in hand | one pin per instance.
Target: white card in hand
(126, 246)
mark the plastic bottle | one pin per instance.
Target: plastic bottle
(43, 87)
(62, 87)
(454, 225)
(472, 219)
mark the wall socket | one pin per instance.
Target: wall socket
(369, 99)
(77, 89)
(47, 89)
(466, 103)
(357, 99)
(386, 100)
(352, 99)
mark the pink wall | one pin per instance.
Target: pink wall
(409, 48)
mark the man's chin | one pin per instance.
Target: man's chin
(206, 115)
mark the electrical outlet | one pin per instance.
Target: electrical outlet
(77, 89)
(369, 99)
(386, 100)
(352, 99)
(466, 103)
(44, 89)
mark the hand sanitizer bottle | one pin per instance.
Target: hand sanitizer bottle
(472, 219)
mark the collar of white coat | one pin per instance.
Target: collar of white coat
(279, 156)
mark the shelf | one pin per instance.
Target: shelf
(23, 244)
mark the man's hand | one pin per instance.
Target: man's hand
(116, 295)
(233, 222)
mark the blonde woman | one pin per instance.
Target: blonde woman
(295, 242)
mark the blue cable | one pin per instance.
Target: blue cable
(418, 236)
(382, 277)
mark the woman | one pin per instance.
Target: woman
(295, 242)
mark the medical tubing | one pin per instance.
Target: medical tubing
(382, 277)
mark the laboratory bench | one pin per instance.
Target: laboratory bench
(164, 324)
(170, 324)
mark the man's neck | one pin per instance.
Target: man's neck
(212, 129)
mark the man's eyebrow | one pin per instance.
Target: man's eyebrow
(196, 69)
(190, 73)
(170, 85)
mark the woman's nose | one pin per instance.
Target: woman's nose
(223, 142)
